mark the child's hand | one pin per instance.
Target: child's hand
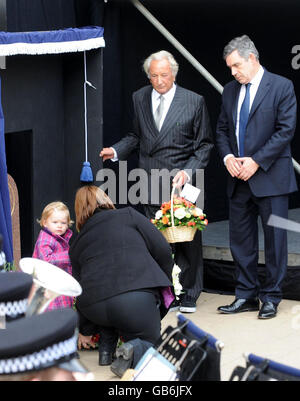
(85, 342)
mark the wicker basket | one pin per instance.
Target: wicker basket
(177, 233)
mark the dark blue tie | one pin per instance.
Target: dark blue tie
(244, 115)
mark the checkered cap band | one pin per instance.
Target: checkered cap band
(41, 359)
(14, 308)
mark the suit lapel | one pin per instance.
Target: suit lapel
(148, 113)
(175, 109)
(236, 95)
(262, 90)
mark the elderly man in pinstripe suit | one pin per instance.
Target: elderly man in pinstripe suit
(171, 131)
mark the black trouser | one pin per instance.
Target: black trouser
(131, 315)
(244, 210)
(188, 256)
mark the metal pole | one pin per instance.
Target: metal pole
(187, 55)
(178, 45)
(296, 166)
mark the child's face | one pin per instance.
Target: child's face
(57, 222)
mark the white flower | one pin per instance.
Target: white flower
(158, 215)
(177, 289)
(198, 211)
(176, 270)
(175, 278)
(179, 213)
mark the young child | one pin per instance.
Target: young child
(52, 244)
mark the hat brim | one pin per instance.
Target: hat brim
(73, 366)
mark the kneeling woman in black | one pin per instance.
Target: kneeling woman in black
(122, 263)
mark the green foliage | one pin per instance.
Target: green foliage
(10, 267)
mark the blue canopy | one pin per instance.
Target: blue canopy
(51, 42)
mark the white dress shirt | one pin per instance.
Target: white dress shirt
(253, 89)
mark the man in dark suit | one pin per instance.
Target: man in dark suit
(254, 131)
(171, 131)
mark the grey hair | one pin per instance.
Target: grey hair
(244, 46)
(161, 55)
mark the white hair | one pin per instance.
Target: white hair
(161, 55)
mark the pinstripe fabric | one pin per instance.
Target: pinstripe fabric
(185, 138)
(184, 142)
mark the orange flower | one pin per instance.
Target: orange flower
(165, 220)
(191, 223)
(166, 208)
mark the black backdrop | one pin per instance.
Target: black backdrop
(42, 98)
(203, 27)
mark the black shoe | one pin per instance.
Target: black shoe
(187, 305)
(105, 358)
(240, 305)
(124, 359)
(267, 310)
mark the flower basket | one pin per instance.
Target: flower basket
(179, 234)
(178, 220)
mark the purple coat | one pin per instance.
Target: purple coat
(54, 249)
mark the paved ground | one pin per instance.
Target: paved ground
(277, 339)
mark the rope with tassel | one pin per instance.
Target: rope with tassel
(86, 172)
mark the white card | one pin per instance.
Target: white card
(154, 367)
(190, 193)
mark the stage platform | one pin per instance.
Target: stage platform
(215, 240)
